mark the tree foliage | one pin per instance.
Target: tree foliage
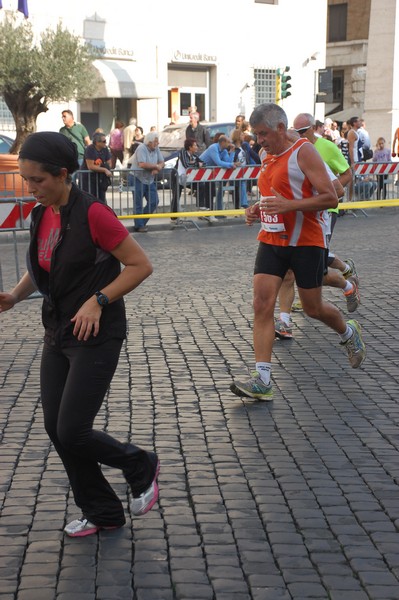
(35, 72)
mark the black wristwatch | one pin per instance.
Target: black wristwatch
(102, 299)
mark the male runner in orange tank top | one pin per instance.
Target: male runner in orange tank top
(295, 193)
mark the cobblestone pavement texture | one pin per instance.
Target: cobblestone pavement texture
(287, 500)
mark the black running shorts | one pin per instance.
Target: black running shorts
(307, 262)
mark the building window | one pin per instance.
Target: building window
(337, 21)
(6, 119)
(338, 89)
(264, 85)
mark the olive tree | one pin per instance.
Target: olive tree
(35, 72)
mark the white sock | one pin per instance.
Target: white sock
(264, 370)
(348, 287)
(348, 334)
(286, 317)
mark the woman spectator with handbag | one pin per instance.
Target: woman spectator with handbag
(116, 143)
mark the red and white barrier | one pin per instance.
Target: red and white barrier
(15, 215)
(375, 168)
(221, 174)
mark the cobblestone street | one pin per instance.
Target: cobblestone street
(293, 499)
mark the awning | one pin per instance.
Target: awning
(344, 115)
(118, 79)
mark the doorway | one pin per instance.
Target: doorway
(190, 99)
(188, 89)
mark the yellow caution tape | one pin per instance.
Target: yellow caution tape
(241, 211)
(368, 204)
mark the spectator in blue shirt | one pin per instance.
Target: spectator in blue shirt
(216, 155)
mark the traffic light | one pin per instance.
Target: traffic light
(284, 84)
(278, 86)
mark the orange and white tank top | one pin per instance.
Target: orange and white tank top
(296, 228)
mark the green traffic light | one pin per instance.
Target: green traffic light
(282, 84)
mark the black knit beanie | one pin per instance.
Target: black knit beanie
(51, 148)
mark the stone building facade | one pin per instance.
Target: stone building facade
(362, 51)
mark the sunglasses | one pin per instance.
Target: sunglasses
(303, 129)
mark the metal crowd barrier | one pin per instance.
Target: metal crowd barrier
(375, 180)
(222, 189)
(173, 197)
(373, 184)
(214, 188)
(14, 228)
(15, 207)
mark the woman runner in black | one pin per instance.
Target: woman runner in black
(76, 250)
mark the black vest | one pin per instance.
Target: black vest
(78, 269)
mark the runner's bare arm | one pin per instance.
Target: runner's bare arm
(313, 167)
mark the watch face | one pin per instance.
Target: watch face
(102, 299)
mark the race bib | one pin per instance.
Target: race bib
(272, 223)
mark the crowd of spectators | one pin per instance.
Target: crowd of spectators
(353, 140)
(127, 147)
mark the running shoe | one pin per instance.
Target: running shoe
(282, 330)
(352, 273)
(203, 217)
(352, 297)
(253, 388)
(210, 219)
(355, 347)
(82, 527)
(144, 503)
(297, 307)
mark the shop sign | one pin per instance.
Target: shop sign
(195, 57)
(119, 53)
(115, 52)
